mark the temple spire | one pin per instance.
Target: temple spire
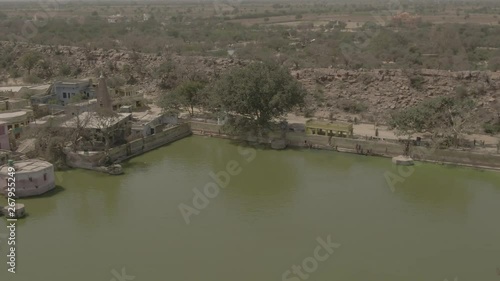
(103, 98)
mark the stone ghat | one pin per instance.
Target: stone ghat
(20, 211)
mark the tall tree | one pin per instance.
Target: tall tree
(30, 60)
(256, 95)
(187, 96)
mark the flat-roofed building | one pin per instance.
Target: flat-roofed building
(33, 177)
(327, 128)
(65, 91)
(126, 96)
(16, 120)
(4, 136)
(114, 128)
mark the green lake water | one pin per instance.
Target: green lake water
(439, 223)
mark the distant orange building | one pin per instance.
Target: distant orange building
(406, 19)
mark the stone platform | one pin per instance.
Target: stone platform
(403, 160)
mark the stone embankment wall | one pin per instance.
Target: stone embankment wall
(198, 127)
(93, 160)
(89, 161)
(146, 144)
(377, 147)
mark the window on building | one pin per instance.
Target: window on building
(45, 177)
(9, 127)
(64, 95)
(31, 179)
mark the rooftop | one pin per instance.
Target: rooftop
(91, 120)
(11, 88)
(145, 117)
(26, 166)
(14, 114)
(84, 103)
(73, 81)
(40, 87)
(16, 89)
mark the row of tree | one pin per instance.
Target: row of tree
(440, 46)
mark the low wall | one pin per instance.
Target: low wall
(198, 127)
(84, 161)
(148, 143)
(466, 158)
(377, 147)
(296, 139)
(131, 149)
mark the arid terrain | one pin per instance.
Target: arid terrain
(359, 61)
(368, 95)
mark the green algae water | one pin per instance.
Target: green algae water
(266, 224)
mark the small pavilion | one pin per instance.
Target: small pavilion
(327, 128)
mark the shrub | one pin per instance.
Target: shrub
(417, 82)
(31, 79)
(309, 112)
(461, 91)
(491, 128)
(14, 73)
(351, 106)
(65, 70)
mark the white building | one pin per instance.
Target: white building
(33, 177)
(64, 91)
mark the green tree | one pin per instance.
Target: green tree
(65, 70)
(447, 117)
(187, 96)
(256, 95)
(30, 60)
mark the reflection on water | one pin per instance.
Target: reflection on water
(440, 222)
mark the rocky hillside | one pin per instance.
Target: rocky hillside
(366, 94)
(375, 93)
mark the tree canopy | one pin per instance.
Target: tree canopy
(186, 96)
(445, 116)
(30, 60)
(256, 95)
